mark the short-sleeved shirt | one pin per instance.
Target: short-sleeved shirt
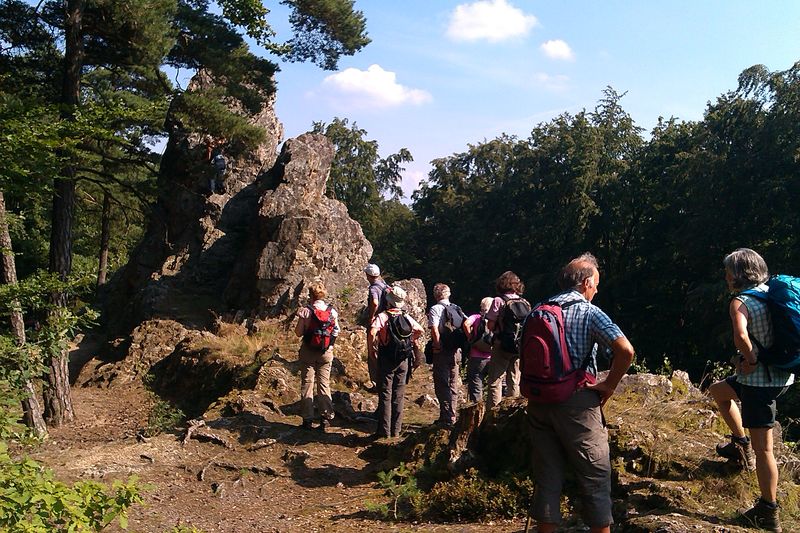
(759, 327)
(586, 326)
(497, 304)
(375, 292)
(435, 314)
(305, 313)
(382, 320)
(472, 320)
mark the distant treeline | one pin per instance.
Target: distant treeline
(659, 211)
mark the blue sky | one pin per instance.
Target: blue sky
(442, 74)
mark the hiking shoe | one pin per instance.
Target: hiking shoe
(764, 516)
(739, 451)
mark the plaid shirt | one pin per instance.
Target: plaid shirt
(759, 327)
(585, 326)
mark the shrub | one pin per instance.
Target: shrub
(163, 417)
(471, 497)
(32, 500)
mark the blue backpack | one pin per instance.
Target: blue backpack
(783, 302)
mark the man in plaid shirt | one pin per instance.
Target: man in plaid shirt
(573, 432)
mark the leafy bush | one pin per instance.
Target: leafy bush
(163, 417)
(31, 500)
(471, 497)
(467, 497)
(401, 487)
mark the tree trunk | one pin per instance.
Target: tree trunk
(31, 410)
(105, 232)
(57, 398)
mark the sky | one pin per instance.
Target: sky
(440, 75)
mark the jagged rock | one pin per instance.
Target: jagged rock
(275, 382)
(300, 236)
(296, 457)
(676, 523)
(683, 377)
(148, 344)
(193, 239)
(639, 383)
(416, 303)
(352, 406)
(426, 400)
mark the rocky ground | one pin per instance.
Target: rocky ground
(250, 467)
(248, 472)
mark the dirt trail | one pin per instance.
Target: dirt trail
(326, 491)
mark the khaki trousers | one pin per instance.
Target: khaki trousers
(315, 381)
(502, 362)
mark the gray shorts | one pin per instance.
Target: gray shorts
(758, 403)
(571, 434)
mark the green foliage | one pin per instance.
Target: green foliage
(32, 500)
(467, 497)
(659, 213)
(400, 486)
(471, 497)
(105, 142)
(163, 417)
(325, 30)
(666, 367)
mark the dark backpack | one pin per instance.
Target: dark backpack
(546, 371)
(480, 337)
(510, 318)
(783, 302)
(219, 162)
(320, 336)
(452, 335)
(399, 345)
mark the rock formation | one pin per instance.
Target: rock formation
(249, 251)
(299, 235)
(242, 257)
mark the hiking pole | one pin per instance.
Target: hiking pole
(527, 523)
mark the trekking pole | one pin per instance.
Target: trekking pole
(527, 523)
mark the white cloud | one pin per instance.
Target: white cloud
(490, 20)
(410, 183)
(557, 49)
(373, 88)
(556, 83)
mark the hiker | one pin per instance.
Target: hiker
(446, 321)
(391, 342)
(480, 351)
(318, 325)
(572, 432)
(506, 314)
(219, 165)
(755, 384)
(376, 303)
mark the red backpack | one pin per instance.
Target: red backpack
(320, 334)
(547, 373)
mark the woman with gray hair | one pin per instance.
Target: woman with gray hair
(755, 385)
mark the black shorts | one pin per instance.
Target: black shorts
(758, 403)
